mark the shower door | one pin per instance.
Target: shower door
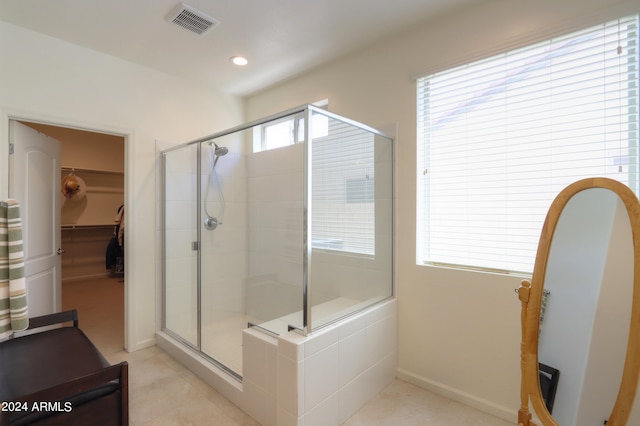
(204, 249)
(180, 245)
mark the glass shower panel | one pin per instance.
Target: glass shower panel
(180, 232)
(351, 205)
(275, 205)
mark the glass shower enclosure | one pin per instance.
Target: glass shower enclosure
(283, 224)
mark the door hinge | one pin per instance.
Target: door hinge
(195, 246)
(10, 149)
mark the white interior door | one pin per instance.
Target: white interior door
(34, 181)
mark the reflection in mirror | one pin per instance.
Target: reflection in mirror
(588, 261)
(589, 279)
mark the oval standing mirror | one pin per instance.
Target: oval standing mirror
(580, 311)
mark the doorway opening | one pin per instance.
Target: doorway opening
(92, 230)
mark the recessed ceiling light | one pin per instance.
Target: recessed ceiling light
(239, 60)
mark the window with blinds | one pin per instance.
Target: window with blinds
(498, 139)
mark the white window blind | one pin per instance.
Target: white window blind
(499, 138)
(343, 176)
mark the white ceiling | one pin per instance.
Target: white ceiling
(281, 38)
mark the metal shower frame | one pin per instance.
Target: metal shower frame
(307, 110)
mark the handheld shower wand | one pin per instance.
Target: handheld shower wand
(219, 151)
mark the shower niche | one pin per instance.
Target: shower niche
(278, 235)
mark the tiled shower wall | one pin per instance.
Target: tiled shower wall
(322, 379)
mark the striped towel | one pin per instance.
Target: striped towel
(13, 290)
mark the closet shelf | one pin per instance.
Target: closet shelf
(71, 227)
(81, 170)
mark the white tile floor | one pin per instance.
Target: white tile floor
(163, 392)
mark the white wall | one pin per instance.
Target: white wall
(49, 80)
(459, 331)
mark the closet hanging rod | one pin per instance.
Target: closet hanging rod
(80, 170)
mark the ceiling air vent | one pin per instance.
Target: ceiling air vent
(192, 19)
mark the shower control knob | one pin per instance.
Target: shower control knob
(211, 223)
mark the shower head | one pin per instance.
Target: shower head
(219, 150)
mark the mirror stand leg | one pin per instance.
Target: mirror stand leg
(524, 416)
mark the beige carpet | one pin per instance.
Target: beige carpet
(100, 305)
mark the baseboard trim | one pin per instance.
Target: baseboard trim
(509, 414)
(142, 344)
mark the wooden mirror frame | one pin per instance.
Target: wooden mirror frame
(530, 295)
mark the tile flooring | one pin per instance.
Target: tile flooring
(162, 392)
